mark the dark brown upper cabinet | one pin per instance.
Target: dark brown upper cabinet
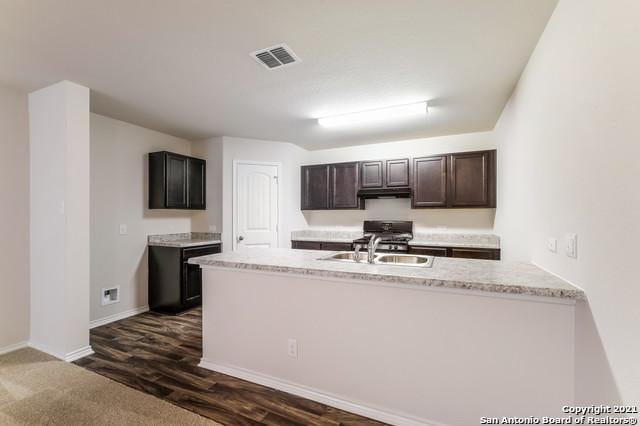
(396, 173)
(384, 173)
(315, 187)
(466, 179)
(430, 182)
(330, 186)
(455, 180)
(472, 179)
(196, 183)
(176, 181)
(371, 174)
(345, 182)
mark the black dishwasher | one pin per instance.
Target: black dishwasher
(175, 285)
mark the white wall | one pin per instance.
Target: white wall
(290, 156)
(14, 214)
(59, 219)
(210, 220)
(569, 162)
(119, 196)
(400, 209)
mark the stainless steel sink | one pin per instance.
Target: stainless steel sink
(384, 259)
(404, 259)
(347, 256)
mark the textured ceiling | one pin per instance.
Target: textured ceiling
(183, 67)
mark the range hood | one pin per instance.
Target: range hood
(384, 193)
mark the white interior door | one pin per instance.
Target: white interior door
(256, 205)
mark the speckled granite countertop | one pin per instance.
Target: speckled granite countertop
(331, 235)
(184, 240)
(451, 239)
(420, 238)
(470, 274)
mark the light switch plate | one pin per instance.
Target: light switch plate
(552, 244)
(123, 229)
(571, 245)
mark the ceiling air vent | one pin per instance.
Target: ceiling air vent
(276, 56)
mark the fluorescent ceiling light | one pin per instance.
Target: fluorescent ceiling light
(375, 115)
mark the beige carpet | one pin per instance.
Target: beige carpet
(37, 389)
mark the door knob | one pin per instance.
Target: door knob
(240, 238)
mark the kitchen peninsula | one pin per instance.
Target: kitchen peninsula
(403, 344)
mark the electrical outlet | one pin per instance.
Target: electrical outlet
(123, 229)
(552, 244)
(292, 348)
(571, 245)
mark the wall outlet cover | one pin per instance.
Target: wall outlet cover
(123, 229)
(552, 244)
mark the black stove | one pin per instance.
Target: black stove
(395, 234)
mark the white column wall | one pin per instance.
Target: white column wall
(59, 219)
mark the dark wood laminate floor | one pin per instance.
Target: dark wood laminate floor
(159, 354)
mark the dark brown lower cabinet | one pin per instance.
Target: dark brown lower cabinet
(321, 245)
(175, 285)
(466, 253)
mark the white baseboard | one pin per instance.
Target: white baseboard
(68, 357)
(118, 316)
(14, 347)
(77, 354)
(317, 395)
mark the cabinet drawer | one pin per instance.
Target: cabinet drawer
(336, 246)
(188, 253)
(429, 251)
(306, 245)
(471, 253)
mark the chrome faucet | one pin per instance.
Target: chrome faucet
(373, 245)
(356, 250)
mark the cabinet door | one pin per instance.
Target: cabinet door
(345, 181)
(196, 183)
(397, 173)
(430, 182)
(472, 253)
(315, 187)
(470, 179)
(371, 174)
(176, 166)
(192, 283)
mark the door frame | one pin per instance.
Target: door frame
(234, 206)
